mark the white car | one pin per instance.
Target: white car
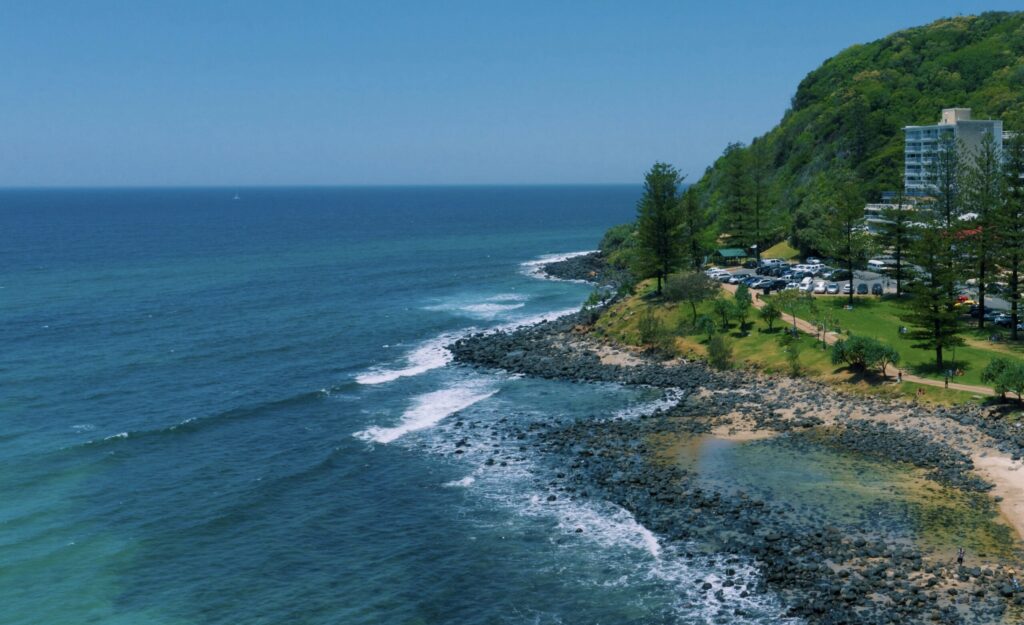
(792, 286)
(819, 287)
(806, 287)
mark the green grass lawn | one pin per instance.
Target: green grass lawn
(761, 348)
(782, 250)
(880, 318)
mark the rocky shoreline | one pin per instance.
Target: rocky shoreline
(825, 573)
(592, 267)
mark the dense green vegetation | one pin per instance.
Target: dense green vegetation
(800, 189)
(851, 111)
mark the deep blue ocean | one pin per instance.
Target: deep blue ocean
(237, 411)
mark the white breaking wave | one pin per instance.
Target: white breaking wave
(671, 397)
(605, 523)
(429, 355)
(432, 354)
(483, 310)
(428, 409)
(535, 268)
(488, 309)
(622, 542)
(534, 319)
(465, 482)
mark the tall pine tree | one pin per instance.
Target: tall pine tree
(896, 233)
(983, 189)
(658, 224)
(841, 233)
(734, 197)
(937, 254)
(1008, 225)
(696, 232)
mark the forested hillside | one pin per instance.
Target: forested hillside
(849, 113)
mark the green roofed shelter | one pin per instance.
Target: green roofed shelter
(732, 252)
(730, 255)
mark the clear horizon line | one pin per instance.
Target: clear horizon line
(312, 186)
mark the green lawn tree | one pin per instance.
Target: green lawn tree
(934, 322)
(983, 188)
(841, 233)
(724, 309)
(742, 303)
(896, 233)
(770, 313)
(1005, 376)
(1008, 225)
(697, 233)
(761, 218)
(733, 198)
(692, 287)
(936, 251)
(658, 224)
(946, 209)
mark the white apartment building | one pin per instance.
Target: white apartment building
(921, 143)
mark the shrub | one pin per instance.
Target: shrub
(770, 313)
(791, 348)
(742, 304)
(1005, 375)
(649, 327)
(705, 325)
(719, 352)
(864, 353)
(692, 288)
(724, 310)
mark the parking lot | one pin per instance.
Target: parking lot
(872, 281)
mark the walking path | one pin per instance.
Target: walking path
(832, 337)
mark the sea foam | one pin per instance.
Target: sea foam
(535, 268)
(429, 409)
(429, 355)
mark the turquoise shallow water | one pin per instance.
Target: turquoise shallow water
(220, 411)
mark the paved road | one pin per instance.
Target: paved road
(832, 337)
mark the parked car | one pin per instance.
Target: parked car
(819, 288)
(862, 289)
(813, 260)
(832, 288)
(779, 284)
(876, 288)
(806, 286)
(1003, 320)
(722, 277)
(840, 274)
(750, 264)
(736, 278)
(792, 286)
(846, 289)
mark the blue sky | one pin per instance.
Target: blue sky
(475, 92)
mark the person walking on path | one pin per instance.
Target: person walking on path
(899, 376)
(960, 556)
